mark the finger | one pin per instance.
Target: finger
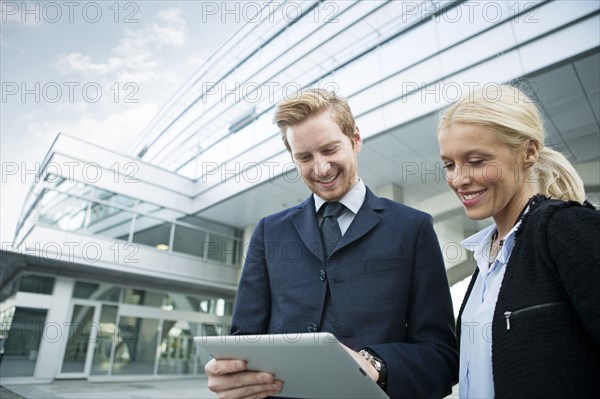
(222, 383)
(222, 367)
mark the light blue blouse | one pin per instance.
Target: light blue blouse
(476, 373)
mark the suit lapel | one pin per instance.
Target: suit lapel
(305, 222)
(366, 218)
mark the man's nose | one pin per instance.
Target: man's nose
(321, 166)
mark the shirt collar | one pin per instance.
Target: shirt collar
(353, 199)
(479, 243)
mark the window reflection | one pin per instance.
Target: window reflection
(176, 348)
(189, 241)
(98, 291)
(135, 348)
(36, 284)
(107, 331)
(143, 297)
(151, 231)
(80, 330)
(22, 343)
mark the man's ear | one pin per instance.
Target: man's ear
(356, 140)
(532, 152)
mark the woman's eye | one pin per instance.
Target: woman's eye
(475, 162)
(449, 166)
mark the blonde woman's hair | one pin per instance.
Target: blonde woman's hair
(310, 103)
(515, 119)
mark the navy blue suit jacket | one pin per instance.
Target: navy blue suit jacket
(387, 281)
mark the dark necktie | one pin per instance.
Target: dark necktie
(330, 229)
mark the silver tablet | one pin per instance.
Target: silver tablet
(311, 365)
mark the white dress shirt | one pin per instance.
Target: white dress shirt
(353, 200)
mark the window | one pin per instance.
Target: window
(22, 343)
(136, 344)
(98, 291)
(36, 284)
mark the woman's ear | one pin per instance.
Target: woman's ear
(532, 152)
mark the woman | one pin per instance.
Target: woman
(529, 325)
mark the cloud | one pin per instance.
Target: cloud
(116, 131)
(173, 33)
(136, 57)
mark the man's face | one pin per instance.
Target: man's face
(325, 157)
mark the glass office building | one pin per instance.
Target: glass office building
(120, 259)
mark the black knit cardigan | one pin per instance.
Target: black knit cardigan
(546, 325)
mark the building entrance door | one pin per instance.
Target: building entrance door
(82, 333)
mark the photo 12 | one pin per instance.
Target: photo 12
(316, 199)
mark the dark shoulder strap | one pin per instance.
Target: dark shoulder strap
(464, 302)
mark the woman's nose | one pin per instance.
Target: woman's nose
(460, 176)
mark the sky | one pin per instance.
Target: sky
(96, 70)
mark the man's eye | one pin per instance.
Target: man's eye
(449, 166)
(329, 150)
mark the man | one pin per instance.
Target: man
(382, 287)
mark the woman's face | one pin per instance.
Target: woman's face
(487, 176)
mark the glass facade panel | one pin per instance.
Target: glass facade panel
(104, 340)
(80, 330)
(63, 211)
(98, 291)
(36, 284)
(189, 241)
(221, 249)
(135, 296)
(117, 199)
(99, 212)
(108, 221)
(136, 344)
(151, 231)
(22, 343)
(176, 348)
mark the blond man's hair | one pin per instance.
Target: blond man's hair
(313, 102)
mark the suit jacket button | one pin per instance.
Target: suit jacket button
(322, 275)
(311, 327)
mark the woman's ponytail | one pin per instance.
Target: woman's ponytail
(557, 176)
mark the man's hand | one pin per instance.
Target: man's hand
(229, 379)
(364, 364)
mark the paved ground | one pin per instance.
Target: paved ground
(79, 389)
(6, 394)
(190, 388)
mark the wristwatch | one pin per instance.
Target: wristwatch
(378, 364)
